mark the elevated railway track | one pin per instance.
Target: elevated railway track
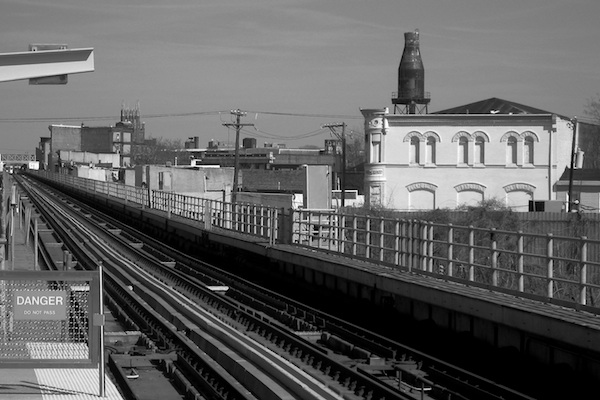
(235, 339)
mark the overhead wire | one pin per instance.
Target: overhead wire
(174, 115)
(307, 115)
(263, 134)
(98, 118)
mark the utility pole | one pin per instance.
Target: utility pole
(342, 137)
(570, 203)
(238, 126)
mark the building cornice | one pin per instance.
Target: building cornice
(467, 119)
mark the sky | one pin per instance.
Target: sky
(292, 65)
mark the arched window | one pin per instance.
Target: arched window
(430, 153)
(463, 150)
(479, 150)
(414, 150)
(511, 150)
(528, 150)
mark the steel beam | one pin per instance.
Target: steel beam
(39, 64)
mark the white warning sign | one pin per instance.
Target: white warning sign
(40, 305)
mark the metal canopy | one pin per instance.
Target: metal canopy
(39, 64)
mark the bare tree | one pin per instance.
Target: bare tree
(159, 151)
(355, 148)
(592, 108)
(589, 134)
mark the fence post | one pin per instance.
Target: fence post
(368, 237)
(583, 272)
(471, 253)
(207, 215)
(550, 265)
(36, 245)
(227, 215)
(354, 234)
(520, 261)
(332, 227)
(450, 269)
(430, 245)
(169, 205)
(254, 219)
(409, 244)
(494, 256)
(341, 239)
(403, 242)
(381, 238)
(423, 245)
(28, 212)
(397, 242)
(272, 220)
(286, 226)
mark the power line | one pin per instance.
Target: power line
(112, 118)
(307, 115)
(260, 133)
(170, 115)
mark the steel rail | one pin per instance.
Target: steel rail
(276, 306)
(363, 386)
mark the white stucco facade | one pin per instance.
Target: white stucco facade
(428, 161)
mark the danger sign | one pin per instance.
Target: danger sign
(40, 305)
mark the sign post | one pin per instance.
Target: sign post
(99, 321)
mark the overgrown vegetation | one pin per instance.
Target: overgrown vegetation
(478, 242)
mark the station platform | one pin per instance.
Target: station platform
(54, 383)
(45, 383)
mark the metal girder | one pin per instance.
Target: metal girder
(39, 64)
(23, 157)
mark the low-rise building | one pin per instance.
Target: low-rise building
(489, 149)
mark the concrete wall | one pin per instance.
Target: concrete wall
(97, 139)
(274, 180)
(84, 157)
(278, 200)
(97, 174)
(130, 177)
(218, 179)
(65, 138)
(317, 190)
(188, 181)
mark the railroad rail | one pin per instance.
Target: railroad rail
(159, 290)
(146, 290)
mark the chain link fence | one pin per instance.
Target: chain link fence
(46, 320)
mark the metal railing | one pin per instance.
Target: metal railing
(252, 219)
(555, 269)
(544, 267)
